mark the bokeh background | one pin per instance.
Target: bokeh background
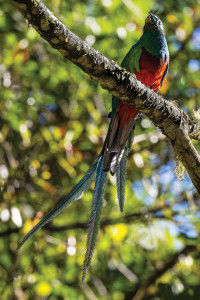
(53, 121)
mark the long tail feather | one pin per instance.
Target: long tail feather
(94, 221)
(121, 172)
(83, 184)
(121, 180)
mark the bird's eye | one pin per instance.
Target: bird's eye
(159, 22)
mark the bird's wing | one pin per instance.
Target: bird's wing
(132, 60)
(164, 74)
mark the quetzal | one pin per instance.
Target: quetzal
(148, 59)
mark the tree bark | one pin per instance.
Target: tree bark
(172, 121)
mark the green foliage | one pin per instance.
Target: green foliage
(52, 126)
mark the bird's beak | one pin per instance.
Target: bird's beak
(148, 21)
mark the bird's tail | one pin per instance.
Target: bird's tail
(116, 140)
(101, 178)
(121, 171)
(94, 222)
(96, 170)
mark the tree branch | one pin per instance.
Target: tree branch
(143, 214)
(173, 122)
(143, 287)
(9, 231)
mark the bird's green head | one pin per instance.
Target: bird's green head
(153, 24)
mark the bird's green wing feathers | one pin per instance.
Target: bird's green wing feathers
(132, 60)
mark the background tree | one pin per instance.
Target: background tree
(53, 123)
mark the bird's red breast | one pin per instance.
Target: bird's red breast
(151, 72)
(151, 69)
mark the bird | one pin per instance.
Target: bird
(148, 59)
